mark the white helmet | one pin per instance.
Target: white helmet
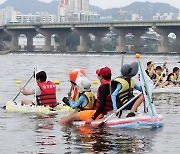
(82, 83)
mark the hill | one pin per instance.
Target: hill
(146, 9)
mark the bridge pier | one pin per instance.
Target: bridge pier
(47, 34)
(1, 42)
(164, 39)
(30, 36)
(47, 46)
(137, 40)
(15, 39)
(83, 47)
(99, 34)
(122, 39)
(177, 45)
(15, 42)
(63, 46)
(164, 44)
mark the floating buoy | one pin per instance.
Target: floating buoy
(137, 55)
(95, 82)
(18, 82)
(56, 82)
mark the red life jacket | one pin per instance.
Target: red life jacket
(108, 104)
(48, 94)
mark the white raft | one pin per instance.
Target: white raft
(174, 90)
(131, 122)
(13, 107)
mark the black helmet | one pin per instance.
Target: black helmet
(129, 70)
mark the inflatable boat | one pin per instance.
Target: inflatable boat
(174, 90)
(14, 107)
(131, 122)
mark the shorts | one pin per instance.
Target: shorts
(129, 106)
(87, 114)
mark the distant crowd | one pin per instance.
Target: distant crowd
(161, 75)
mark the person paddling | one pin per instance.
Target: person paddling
(102, 105)
(173, 78)
(122, 87)
(73, 93)
(150, 69)
(85, 97)
(45, 91)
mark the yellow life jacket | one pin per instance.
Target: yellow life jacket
(126, 91)
(159, 77)
(87, 105)
(176, 77)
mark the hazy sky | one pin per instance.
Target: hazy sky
(120, 3)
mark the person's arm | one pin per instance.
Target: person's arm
(31, 92)
(151, 72)
(104, 92)
(25, 92)
(76, 104)
(137, 87)
(114, 95)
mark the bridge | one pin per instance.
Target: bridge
(98, 29)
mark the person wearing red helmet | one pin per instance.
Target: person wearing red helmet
(103, 103)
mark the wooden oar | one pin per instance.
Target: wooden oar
(130, 101)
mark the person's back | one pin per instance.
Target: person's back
(173, 78)
(48, 94)
(103, 95)
(122, 87)
(124, 92)
(45, 91)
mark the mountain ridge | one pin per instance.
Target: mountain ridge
(147, 11)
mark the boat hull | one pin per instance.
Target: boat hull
(175, 90)
(13, 107)
(132, 122)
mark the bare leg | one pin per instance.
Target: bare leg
(137, 103)
(26, 102)
(70, 118)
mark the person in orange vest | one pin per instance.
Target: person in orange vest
(73, 93)
(85, 98)
(103, 103)
(45, 92)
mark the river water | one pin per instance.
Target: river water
(33, 133)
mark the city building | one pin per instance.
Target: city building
(38, 17)
(136, 17)
(75, 10)
(167, 16)
(9, 15)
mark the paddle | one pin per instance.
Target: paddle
(23, 87)
(4, 107)
(130, 101)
